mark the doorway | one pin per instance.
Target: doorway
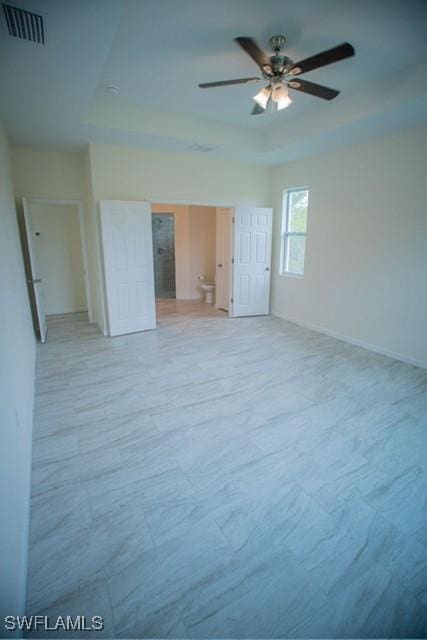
(128, 259)
(56, 257)
(163, 228)
(183, 250)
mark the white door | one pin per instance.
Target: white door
(223, 258)
(127, 245)
(252, 261)
(34, 280)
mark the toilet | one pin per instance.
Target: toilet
(209, 290)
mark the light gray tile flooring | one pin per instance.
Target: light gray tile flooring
(222, 478)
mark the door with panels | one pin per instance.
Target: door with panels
(127, 245)
(252, 261)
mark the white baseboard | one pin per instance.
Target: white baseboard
(61, 312)
(359, 343)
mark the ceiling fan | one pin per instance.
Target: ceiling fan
(281, 73)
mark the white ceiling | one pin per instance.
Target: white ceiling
(157, 51)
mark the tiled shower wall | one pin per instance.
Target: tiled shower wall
(164, 255)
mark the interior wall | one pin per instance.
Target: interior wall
(55, 175)
(59, 175)
(366, 259)
(17, 364)
(364, 239)
(123, 173)
(59, 257)
(202, 247)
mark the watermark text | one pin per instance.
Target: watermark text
(45, 623)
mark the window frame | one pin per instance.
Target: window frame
(284, 249)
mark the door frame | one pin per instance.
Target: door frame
(204, 203)
(83, 243)
(231, 253)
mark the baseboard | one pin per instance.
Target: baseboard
(61, 312)
(358, 343)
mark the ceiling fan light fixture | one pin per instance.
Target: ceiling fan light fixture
(280, 72)
(281, 97)
(263, 97)
(283, 103)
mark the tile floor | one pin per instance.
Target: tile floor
(222, 478)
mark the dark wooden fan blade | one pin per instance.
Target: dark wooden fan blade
(257, 110)
(313, 89)
(321, 59)
(226, 83)
(253, 50)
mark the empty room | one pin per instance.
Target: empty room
(213, 345)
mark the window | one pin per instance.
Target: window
(295, 205)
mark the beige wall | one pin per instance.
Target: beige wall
(59, 256)
(59, 175)
(366, 261)
(121, 173)
(202, 247)
(55, 175)
(17, 362)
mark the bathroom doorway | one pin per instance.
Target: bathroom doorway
(163, 227)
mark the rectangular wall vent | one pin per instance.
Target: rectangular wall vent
(24, 24)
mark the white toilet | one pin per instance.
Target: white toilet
(209, 290)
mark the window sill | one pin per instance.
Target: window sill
(298, 276)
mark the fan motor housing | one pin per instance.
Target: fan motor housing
(280, 63)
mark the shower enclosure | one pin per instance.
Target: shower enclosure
(164, 254)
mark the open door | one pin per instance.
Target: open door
(223, 258)
(34, 280)
(252, 261)
(127, 247)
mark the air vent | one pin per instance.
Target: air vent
(201, 148)
(24, 24)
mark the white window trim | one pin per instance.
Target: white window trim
(286, 234)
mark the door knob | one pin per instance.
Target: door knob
(35, 281)
(220, 265)
(267, 268)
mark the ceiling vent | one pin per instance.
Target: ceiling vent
(24, 24)
(201, 148)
